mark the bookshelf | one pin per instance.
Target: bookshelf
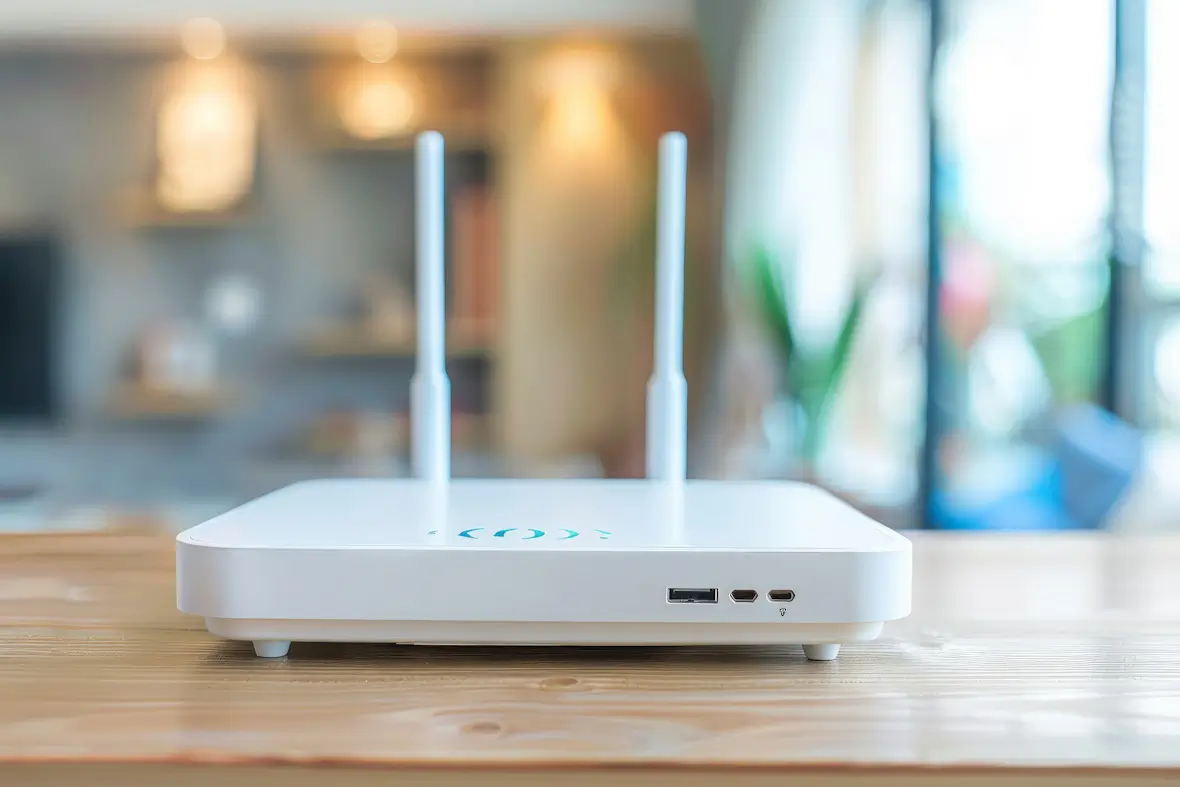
(452, 93)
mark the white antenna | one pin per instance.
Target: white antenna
(430, 390)
(667, 391)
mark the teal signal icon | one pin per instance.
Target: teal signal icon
(531, 534)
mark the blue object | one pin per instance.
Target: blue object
(1099, 456)
(1074, 484)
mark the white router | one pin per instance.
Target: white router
(659, 561)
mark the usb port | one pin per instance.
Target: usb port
(692, 595)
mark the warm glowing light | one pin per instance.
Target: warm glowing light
(576, 85)
(203, 39)
(376, 105)
(580, 114)
(205, 142)
(376, 41)
(577, 67)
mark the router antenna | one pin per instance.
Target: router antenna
(667, 391)
(430, 390)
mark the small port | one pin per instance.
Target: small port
(781, 595)
(692, 595)
(744, 596)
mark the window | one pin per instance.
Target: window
(1161, 216)
(1023, 103)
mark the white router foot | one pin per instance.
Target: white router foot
(271, 648)
(821, 652)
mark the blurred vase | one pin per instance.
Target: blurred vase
(784, 426)
(177, 357)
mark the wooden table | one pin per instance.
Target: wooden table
(1029, 659)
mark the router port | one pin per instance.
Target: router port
(692, 595)
(744, 596)
(781, 595)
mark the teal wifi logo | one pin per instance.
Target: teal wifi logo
(529, 534)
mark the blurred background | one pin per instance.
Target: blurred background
(933, 250)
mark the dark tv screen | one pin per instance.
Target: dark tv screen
(28, 300)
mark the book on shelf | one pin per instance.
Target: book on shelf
(475, 262)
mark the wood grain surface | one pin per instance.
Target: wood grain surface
(1027, 656)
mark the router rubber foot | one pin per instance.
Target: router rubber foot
(271, 648)
(821, 652)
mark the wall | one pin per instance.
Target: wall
(578, 167)
(84, 17)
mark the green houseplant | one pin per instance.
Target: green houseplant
(811, 374)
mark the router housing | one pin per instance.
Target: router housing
(545, 562)
(657, 561)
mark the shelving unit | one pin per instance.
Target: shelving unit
(451, 92)
(132, 402)
(331, 212)
(138, 210)
(325, 209)
(346, 436)
(359, 342)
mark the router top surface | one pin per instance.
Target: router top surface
(547, 515)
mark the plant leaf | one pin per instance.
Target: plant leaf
(842, 348)
(841, 352)
(771, 297)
